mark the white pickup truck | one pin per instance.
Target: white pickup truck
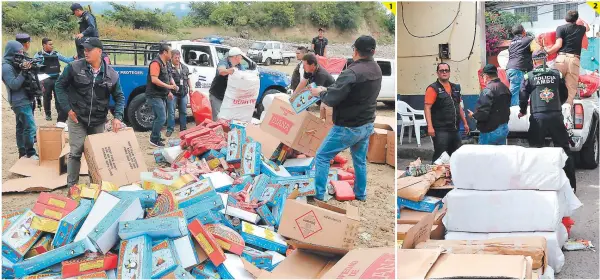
(387, 95)
(269, 52)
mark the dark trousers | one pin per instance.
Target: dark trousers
(48, 93)
(552, 124)
(445, 141)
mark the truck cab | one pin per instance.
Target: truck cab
(387, 95)
(269, 52)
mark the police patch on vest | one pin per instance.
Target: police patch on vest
(546, 95)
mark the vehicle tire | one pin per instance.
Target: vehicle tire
(390, 104)
(139, 113)
(259, 105)
(286, 61)
(268, 61)
(589, 156)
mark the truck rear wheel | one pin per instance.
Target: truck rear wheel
(286, 61)
(139, 113)
(588, 156)
(268, 61)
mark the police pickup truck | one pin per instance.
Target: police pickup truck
(200, 57)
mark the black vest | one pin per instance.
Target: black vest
(89, 97)
(51, 63)
(545, 97)
(181, 79)
(83, 24)
(295, 77)
(500, 108)
(445, 112)
(519, 54)
(219, 85)
(153, 90)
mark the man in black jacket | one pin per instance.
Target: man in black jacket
(547, 89)
(87, 27)
(493, 109)
(353, 97)
(159, 87)
(519, 61)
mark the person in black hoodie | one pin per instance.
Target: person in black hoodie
(493, 109)
(354, 100)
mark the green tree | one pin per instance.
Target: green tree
(347, 16)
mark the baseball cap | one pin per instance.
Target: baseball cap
(23, 37)
(76, 6)
(365, 43)
(92, 42)
(321, 29)
(539, 54)
(490, 69)
(234, 51)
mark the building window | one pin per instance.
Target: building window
(530, 12)
(560, 10)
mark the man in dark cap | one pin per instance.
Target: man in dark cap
(319, 43)
(353, 97)
(25, 40)
(548, 91)
(87, 27)
(492, 110)
(84, 90)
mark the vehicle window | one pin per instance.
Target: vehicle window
(197, 56)
(269, 46)
(277, 46)
(386, 67)
(221, 52)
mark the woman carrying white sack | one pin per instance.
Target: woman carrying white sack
(240, 96)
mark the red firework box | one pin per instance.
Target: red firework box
(40, 247)
(89, 263)
(48, 211)
(227, 238)
(95, 275)
(9, 218)
(207, 242)
(183, 134)
(189, 137)
(58, 201)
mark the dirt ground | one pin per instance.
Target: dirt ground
(377, 213)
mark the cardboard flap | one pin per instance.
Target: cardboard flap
(47, 169)
(415, 263)
(317, 248)
(387, 123)
(372, 263)
(420, 232)
(479, 267)
(252, 269)
(51, 141)
(302, 265)
(34, 184)
(330, 207)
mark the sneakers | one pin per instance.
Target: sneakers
(169, 133)
(48, 118)
(63, 125)
(35, 157)
(158, 143)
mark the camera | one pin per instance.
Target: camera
(36, 63)
(31, 85)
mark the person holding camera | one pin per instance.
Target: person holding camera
(181, 76)
(84, 90)
(14, 77)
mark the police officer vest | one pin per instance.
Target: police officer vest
(153, 90)
(51, 63)
(295, 77)
(445, 112)
(181, 78)
(545, 96)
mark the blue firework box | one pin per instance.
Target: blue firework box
(259, 185)
(246, 179)
(304, 100)
(19, 237)
(299, 165)
(305, 184)
(164, 258)
(258, 258)
(276, 198)
(70, 224)
(158, 156)
(105, 235)
(234, 124)
(251, 158)
(135, 257)
(263, 238)
(211, 201)
(275, 261)
(227, 222)
(236, 138)
(195, 192)
(277, 209)
(147, 197)
(266, 215)
(49, 258)
(186, 253)
(208, 217)
(268, 167)
(428, 204)
(178, 273)
(156, 228)
(211, 154)
(269, 192)
(231, 201)
(8, 271)
(205, 270)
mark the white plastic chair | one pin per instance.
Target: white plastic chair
(407, 117)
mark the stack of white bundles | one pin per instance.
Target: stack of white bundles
(510, 191)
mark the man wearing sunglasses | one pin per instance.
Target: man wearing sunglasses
(443, 112)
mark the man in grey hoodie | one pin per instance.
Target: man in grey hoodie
(20, 102)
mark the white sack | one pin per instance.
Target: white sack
(240, 96)
(507, 167)
(514, 123)
(268, 99)
(555, 241)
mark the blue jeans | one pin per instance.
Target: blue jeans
(515, 78)
(182, 103)
(496, 137)
(338, 139)
(160, 116)
(26, 130)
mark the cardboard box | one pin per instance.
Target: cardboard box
(298, 264)
(408, 216)
(156, 228)
(258, 186)
(301, 101)
(9, 218)
(89, 263)
(531, 246)
(413, 234)
(437, 231)
(266, 215)
(227, 238)
(43, 276)
(49, 211)
(271, 169)
(95, 275)
(373, 263)
(390, 154)
(48, 259)
(184, 247)
(258, 258)
(305, 184)
(194, 192)
(178, 273)
(313, 227)
(233, 268)
(263, 238)
(326, 113)
(269, 143)
(242, 214)
(235, 141)
(40, 247)
(433, 264)
(58, 201)
(44, 224)
(251, 158)
(19, 237)
(135, 257)
(147, 197)
(377, 146)
(300, 165)
(414, 188)
(207, 242)
(114, 157)
(8, 271)
(428, 204)
(70, 224)
(205, 270)
(164, 258)
(165, 203)
(303, 132)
